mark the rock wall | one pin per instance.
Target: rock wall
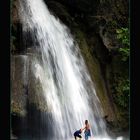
(93, 24)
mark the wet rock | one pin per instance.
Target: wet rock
(97, 21)
(19, 84)
(26, 87)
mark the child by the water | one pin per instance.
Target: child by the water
(78, 134)
(87, 130)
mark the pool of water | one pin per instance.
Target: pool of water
(91, 138)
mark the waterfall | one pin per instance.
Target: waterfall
(60, 68)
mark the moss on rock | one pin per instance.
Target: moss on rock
(95, 72)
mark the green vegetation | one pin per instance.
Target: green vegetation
(122, 82)
(123, 36)
(124, 53)
(84, 20)
(122, 91)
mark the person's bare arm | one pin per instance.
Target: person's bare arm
(83, 128)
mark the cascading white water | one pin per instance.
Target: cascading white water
(68, 89)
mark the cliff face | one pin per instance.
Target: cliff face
(93, 24)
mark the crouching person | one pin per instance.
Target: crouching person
(78, 134)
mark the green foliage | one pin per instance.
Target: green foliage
(112, 24)
(122, 94)
(125, 52)
(123, 36)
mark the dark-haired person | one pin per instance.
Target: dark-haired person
(87, 130)
(78, 134)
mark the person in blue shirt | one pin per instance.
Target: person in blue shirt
(87, 130)
(78, 134)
